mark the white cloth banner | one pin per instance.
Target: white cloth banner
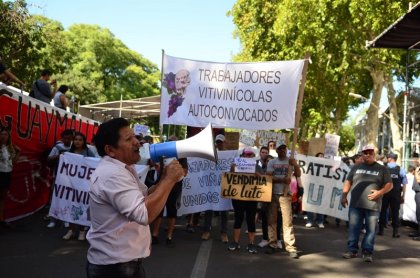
(408, 209)
(238, 95)
(70, 201)
(323, 181)
(201, 187)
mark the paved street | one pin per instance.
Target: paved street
(32, 250)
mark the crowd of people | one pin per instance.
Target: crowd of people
(43, 89)
(120, 204)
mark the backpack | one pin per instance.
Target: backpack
(32, 92)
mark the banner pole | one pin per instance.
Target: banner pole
(298, 112)
(161, 86)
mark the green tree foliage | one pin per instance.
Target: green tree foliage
(89, 59)
(334, 33)
(19, 36)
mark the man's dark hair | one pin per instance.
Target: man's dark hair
(45, 72)
(63, 88)
(67, 132)
(264, 148)
(109, 133)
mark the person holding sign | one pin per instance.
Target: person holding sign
(241, 208)
(282, 201)
(370, 181)
(121, 206)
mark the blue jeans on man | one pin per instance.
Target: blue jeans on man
(356, 217)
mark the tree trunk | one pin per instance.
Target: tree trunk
(397, 143)
(371, 127)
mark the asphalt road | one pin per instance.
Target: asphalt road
(32, 250)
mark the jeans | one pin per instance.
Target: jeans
(356, 217)
(315, 218)
(133, 269)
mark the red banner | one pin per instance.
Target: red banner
(35, 127)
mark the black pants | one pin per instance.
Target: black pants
(241, 208)
(417, 199)
(393, 200)
(132, 269)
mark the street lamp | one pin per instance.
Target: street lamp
(363, 98)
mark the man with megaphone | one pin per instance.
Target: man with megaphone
(121, 206)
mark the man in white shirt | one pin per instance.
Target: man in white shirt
(121, 206)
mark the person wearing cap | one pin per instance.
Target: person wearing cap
(369, 181)
(393, 198)
(219, 141)
(281, 201)
(242, 208)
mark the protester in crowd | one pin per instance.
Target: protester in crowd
(242, 208)
(282, 201)
(92, 147)
(393, 198)
(357, 159)
(370, 181)
(79, 146)
(148, 139)
(6, 76)
(315, 217)
(42, 89)
(261, 169)
(59, 148)
(60, 99)
(208, 215)
(416, 188)
(121, 206)
(9, 153)
(271, 149)
(171, 210)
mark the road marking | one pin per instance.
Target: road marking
(200, 265)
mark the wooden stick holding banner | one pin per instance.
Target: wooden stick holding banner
(161, 93)
(298, 114)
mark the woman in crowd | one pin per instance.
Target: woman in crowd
(9, 154)
(79, 146)
(241, 208)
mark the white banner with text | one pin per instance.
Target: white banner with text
(70, 200)
(252, 96)
(201, 187)
(323, 181)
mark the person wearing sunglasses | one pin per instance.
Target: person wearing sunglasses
(369, 181)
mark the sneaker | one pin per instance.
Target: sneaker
(169, 242)
(82, 235)
(234, 246)
(69, 235)
(252, 248)
(224, 237)
(205, 236)
(367, 257)
(294, 255)
(321, 226)
(263, 243)
(279, 244)
(308, 225)
(51, 224)
(349, 255)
